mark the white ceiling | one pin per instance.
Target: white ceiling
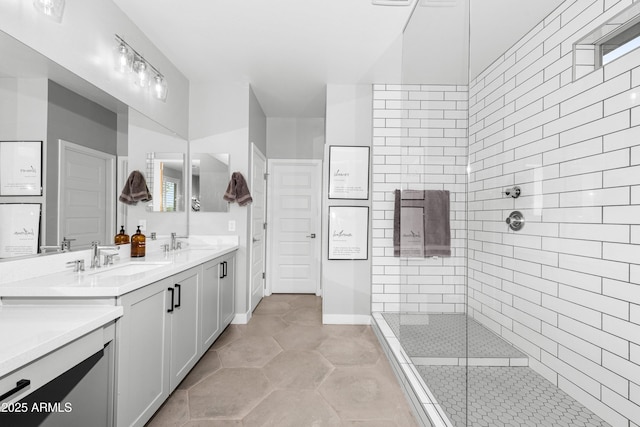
(288, 50)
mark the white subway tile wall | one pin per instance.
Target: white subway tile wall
(420, 143)
(566, 288)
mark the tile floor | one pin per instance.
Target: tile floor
(285, 369)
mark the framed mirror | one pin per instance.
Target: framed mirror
(166, 181)
(209, 179)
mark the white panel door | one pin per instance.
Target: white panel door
(294, 226)
(258, 212)
(87, 197)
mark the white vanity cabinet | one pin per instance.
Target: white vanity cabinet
(227, 288)
(217, 303)
(157, 344)
(165, 329)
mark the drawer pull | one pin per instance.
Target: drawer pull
(172, 296)
(179, 288)
(19, 386)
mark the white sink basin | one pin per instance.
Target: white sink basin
(127, 269)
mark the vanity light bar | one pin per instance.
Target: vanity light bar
(128, 60)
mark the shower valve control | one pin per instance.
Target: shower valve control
(513, 192)
(515, 221)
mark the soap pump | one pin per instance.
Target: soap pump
(122, 238)
(138, 244)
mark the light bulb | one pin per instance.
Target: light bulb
(142, 73)
(123, 58)
(160, 87)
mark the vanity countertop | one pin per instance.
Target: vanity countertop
(28, 332)
(118, 279)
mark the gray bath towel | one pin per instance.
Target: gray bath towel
(135, 189)
(238, 190)
(431, 207)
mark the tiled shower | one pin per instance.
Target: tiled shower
(565, 289)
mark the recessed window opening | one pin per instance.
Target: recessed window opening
(612, 39)
(620, 44)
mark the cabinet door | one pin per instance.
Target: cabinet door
(184, 324)
(210, 323)
(143, 351)
(227, 289)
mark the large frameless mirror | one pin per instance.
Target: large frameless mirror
(209, 179)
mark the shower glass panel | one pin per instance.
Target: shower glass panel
(431, 319)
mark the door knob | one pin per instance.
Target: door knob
(255, 240)
(312, 235)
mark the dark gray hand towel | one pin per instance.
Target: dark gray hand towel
(238, 190)
(135, 189)
(435, 212)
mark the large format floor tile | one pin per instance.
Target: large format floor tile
(285, 369)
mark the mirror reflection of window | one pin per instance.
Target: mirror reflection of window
(167, 182)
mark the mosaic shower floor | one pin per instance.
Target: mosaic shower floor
(445, 339)
(503, 397)
(497, 389)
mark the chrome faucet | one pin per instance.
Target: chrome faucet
(175, 243)
(95, 253)
(65, 246)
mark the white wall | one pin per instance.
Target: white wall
(89, 27)
(295, 138)
(346, 285)
(419, 143)
(219, 123)
(566, 288)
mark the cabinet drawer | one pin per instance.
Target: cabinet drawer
(48, 367)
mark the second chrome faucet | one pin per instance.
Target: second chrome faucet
(96, 251)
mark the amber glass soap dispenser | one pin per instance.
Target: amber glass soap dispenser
(138, 243)
(122, 238)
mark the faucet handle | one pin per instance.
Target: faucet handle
(66, 244)
(78, 265)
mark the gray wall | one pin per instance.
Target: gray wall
(73, 118)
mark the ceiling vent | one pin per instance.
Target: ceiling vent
(392, 2)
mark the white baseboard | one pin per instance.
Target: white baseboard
(346, 319)
(241, 319)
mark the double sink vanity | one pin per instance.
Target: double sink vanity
(107, 346)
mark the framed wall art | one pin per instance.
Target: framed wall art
(20, 231)
(20, 168)
(348, 172)
(348, 232)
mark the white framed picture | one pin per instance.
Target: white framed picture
(20, 168)
(20, 231)
(348, 232)
(348, 172)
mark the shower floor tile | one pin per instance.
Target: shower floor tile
(503, 396)
(437, 337)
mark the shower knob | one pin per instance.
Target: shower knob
(515, 221)
(513, 192)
